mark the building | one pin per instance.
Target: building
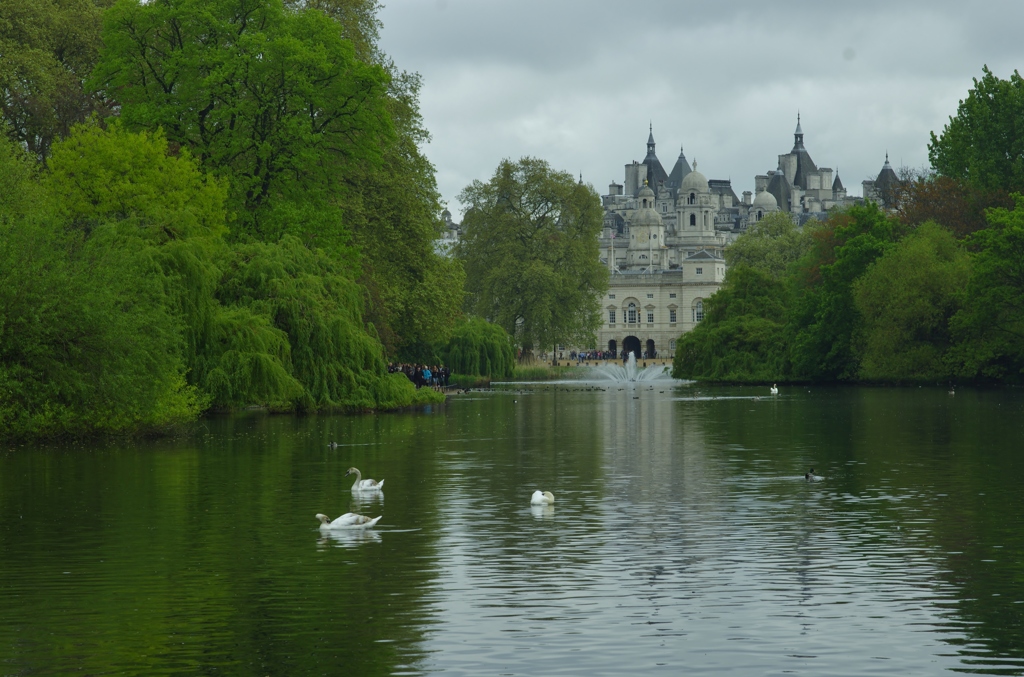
(665, 233)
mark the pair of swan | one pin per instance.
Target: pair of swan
(351, 520)
(811, 477)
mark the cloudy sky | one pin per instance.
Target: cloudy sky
(576, 82)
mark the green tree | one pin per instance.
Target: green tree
(743, 334)
(825, 319)
(991, 324)
(531, 253)
(479, 348)
(906, 299)
(87, 340)
(771, 245)
(984, 144)
(269, 97)
(48, 48)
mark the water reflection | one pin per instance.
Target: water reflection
(347, 538)
(685, 538)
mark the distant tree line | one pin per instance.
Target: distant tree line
(931, 292)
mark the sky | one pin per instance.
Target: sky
(577, 82)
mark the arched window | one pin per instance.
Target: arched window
(693, 219)
(705, 219)
(759, 214)
(692, 200)
(631, 314)
(698, 310)
(645, 204)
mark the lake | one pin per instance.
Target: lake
(683, 538)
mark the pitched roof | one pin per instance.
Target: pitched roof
(779, 187)
(679, 171)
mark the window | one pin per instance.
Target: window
(693, 219)
(632, 313)
(611, 317)
(650, 296)
(698, 310)
(650, 318)
(611, 296)
(672, 316)
(672, 344)
(692, 200)
(671, 296)
(700, 271)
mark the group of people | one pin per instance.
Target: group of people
(423, 375)
(588, 355)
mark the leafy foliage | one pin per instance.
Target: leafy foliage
(991, 324)
(984, 144)
(87, 341)
(480, 348)
(531, 253)
(771, 245)
(48, 49)
(271, 98)
(742, 336)
(825, 319)
(906, 299)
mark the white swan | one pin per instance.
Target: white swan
(545, 498)
(811, 477)
(349, 520)
(775, 390)
(364, 485)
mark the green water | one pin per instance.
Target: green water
(683, 537)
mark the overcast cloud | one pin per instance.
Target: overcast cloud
(576, 82)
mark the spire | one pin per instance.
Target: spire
(650, 141)
(798, 135)
(886, 165)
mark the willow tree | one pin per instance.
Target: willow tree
(531, 254)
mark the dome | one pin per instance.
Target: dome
(765, 200)
(646, 192)
(694, 182)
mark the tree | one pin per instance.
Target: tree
(824, 318)
(743, 334)
(88, 341)
(906, 299)
(991, 324)
(48, 48)
(479, 348)
(771, 245)
(271, 98)
(984, 144)
(531, 254)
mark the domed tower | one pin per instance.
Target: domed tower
(646, 234)
(694, 204)
(764, 204)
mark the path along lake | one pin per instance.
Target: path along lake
(684, 539)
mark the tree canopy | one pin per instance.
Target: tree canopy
(531, 253)
(983, 145)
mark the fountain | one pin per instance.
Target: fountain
(630, 372)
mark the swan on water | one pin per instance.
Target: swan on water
(811, 477)
(364, 485)
(539, 498)
(775, 389)
(349, 520)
